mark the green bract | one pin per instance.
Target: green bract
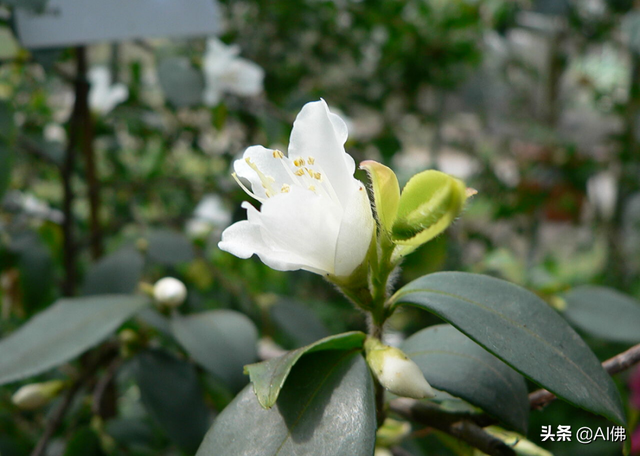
(386, 192)
(430, 201)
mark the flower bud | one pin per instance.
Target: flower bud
(395, 371)
(36, 395)
(169, 292)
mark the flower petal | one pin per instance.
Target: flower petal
(356, 231)
(296, 230)
(244, 239)
(269, 165)
(320, 134)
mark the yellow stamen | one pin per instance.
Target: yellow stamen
(311, 160)
(299, 172)
(266, 181)
(299, 162)
(277, 154)
(317, 176)
(285, 188)
(312, 188)
(309, 171)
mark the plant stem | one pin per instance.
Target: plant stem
(88, 153)
(108, 353)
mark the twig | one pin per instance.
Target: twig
(102, 388)
(86, 146)
(58, 415)
(456, 425)
(623, 361)
(468, 427)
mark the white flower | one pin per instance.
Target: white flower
(315, 215)
(104, 96)
(209, 215)
(169, 292)
(224, 72)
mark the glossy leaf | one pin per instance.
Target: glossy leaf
(171, 393)
(62, 332)
(523, 331)
(169, 248)
(454, 363)
(221, 341)
(118, 273)
(269, 376)
(604, 313)
(298, 322)
(327, 407)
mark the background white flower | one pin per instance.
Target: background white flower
(225, 72)
(210, 215)
(315, 215)
(104, 96)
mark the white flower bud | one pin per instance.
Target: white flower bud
(395, 371)
(36, 395)
(169, 292)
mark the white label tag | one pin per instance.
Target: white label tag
(78, 22)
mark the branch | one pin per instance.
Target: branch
(58, 414)
(457, 425)
(468, 427)
(621, 362)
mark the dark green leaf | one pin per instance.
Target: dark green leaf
(326, 408)
(454, 363)
(117, 273)
(171, 393)
(269, 376)
(221, 341)
(7, 124)
(523, 331)
(36, 268)
(181, 82)
(604, 313)
(169, 248)
(84, 442)
(62, 332)
(5, 168)
(298, 322)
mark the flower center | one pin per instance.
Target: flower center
(303, 173)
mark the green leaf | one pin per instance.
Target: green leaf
(454, 363)
(604, 313)
(62, 332)
(523, 331)
(169, 248)
(298, 322)
(221, 341)
(36, 268)
(429, 202)
(181, 82)
(269, 376)
(171, 393)
(5, 168)
(118, 273)
(326, 408)
(84, 442)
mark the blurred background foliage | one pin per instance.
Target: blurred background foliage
(534, 104)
